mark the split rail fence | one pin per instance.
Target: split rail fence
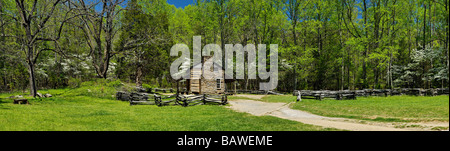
(352, 94)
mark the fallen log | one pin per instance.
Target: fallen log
(142, 103)
(275, 93)
(21, 101)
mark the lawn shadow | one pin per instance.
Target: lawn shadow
(1, 104)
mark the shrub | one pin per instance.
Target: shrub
(88, 83)
(99, 88)
(74, 83)
(147, 86)
(115, 83)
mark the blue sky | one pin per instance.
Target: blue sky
(177, 3)
(180, 3)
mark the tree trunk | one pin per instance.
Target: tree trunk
(343, 51)
(178, 88)
(431, 21)
(391, 83)
(304, 36)
(318, 83)
(448, 39)
(364, 67)
(375, 72)
(409, 35)
(139, 76)
(424, 25)
(294, 24)
(32, 79)
(5, 86)
(295, 77)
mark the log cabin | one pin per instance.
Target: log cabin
(197, 84)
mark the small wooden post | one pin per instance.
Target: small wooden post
(235, 83)
(204, 98)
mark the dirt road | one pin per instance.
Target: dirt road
(282, 110)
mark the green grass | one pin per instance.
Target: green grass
(439, 128)
(78, 110)
(240, 98)
(382, 109)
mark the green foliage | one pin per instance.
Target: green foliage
(147, 86)
(74, 83)
(99, 88)
(337, 44)
(144, 42)
(423, 67)
(116, 83)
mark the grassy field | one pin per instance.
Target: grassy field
(78, 110)
(384, 109)
(92, 107)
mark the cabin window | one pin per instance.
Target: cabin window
(218, 84)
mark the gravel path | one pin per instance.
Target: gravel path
(282, 110)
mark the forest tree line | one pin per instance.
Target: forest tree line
(323, 44)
